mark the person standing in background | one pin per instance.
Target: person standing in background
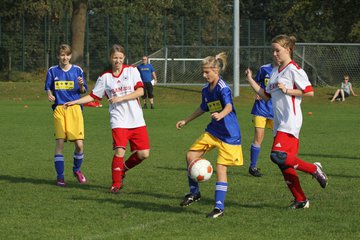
(148, 76)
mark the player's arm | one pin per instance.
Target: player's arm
(220, 115)
(198, 112)
(83, 100)
(308, 92)
(136, 94)
(352, 91)
(255, 86)
(154, 77)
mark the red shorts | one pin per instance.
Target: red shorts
(286, 142)
(138, 138)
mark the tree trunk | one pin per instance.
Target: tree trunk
(78, 23)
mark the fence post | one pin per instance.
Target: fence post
(166, 64)
(23, 42)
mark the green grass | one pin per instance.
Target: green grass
(32, 207)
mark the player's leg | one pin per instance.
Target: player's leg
(59, 162)
(220, 191)
(259, 131)
(78, 160)
(120, 139)
(145, 95)
(342, 95)
(60, 136)
(140, 147)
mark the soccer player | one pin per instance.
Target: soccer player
(223, 132)
(263, 118)
(288, 84)
(122, 86)
(147, 73)
(344, 90)
(65, 82)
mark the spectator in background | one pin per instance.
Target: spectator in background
(344, 90)
(148, 76)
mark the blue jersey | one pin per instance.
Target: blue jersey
(227, 129)
(146, 72)
(261, 107)
(64, 85)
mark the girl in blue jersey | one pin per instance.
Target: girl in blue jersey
(65, 82)
(223, 132)
(263, 118)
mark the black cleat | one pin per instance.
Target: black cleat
(189, 199)
(215, 213)
(255, 171)
(300, 205)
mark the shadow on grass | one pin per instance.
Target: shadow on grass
(330, 156)
(15, 179)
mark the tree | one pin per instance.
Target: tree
(78, 24)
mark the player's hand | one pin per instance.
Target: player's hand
(217, 116)
(51, 98)
(67, 104)
(115, 100)
(282, 87)
(180, 124)
(248, 74)
(80, 81)
(257, 97)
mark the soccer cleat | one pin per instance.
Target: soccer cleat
(320, 175)
(80, 177)
(190, 198)
(215, 213)
(152, 106)
(255, 171)
(60, 182)
(300, 205)
(114, 189)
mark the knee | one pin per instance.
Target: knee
(143, 154)
(278, 157)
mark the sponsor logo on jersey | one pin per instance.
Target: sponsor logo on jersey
(214, 106)
(64, 85)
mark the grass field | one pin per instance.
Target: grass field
(32, 207)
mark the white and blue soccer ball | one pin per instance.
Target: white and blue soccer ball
(200, 170)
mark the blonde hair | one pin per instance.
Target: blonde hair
(218, 61)
(117, 48)
(64, 48)
(286, 42)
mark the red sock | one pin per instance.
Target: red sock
(293, 183)
(117, 169)
(132, 161)
(295, 162)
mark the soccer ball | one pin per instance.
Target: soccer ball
(200, 170)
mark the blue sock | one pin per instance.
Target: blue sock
(220, 194)
(254, 154)
(78, 159)
(194, 186)
(59, 165)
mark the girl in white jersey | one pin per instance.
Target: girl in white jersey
(122, 86)
(288, 84)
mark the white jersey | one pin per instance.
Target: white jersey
(287, 109)
(127, 114)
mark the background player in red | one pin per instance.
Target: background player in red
(288, 84)
(122, 86)
(65, 82)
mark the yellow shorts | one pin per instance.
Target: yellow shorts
(262, 122)
(229, 155)
(69, 123)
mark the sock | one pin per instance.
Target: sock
(78, 159)
(59, 165)
(293, 183)
(220, 194)
(132, 161)
(254, 154)
(117, 170)
(295, 162)
(193, 185)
